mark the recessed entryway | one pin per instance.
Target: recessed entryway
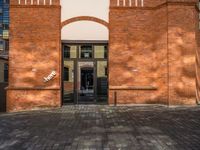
(85, 77)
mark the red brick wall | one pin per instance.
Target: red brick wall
(198, 59)
(34, 54)
(142, 45)
(182, 54)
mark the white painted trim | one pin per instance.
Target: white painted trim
(118, 2)
(142, 3)
(38, 2)
(25, 2)
(136, 3)
(19, 2)
(44, 2)
(130, 3)
(31, 2)
(124, 2)
(50, 3)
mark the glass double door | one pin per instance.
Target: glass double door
(85, 82)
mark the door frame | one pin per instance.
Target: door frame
(77, 59)
(94, 81)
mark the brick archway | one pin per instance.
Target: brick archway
(85, 18)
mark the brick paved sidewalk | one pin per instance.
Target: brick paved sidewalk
(102, 127)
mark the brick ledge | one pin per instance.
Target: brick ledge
(133, 88)
(29, 88)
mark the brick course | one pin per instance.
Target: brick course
(85, 18)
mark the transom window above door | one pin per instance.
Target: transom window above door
(86, 52)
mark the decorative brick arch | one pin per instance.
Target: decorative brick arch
(85, 18)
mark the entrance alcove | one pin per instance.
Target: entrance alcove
(85, 60)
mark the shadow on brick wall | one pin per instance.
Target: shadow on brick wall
(3, 96)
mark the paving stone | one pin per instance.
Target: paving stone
(97, 127)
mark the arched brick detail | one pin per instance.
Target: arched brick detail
(85, 18)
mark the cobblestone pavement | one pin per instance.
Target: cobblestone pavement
(102, 127)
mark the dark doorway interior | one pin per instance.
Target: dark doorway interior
(3, 85)
(87, 85)
(87, 80)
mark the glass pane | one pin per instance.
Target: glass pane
(70, 51)
(5, 72)
(102, 81)
(100, 51)
(5, 34)
(1, 45)
(86, 51)
(68, 77)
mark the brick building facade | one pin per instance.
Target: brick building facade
(157, 43)
(153, 53)
(34, 54)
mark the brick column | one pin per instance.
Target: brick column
(35, 55)
(182, 48)
(152, 54)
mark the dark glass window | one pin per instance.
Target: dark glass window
(66, 52)
(6, 45)
(4, 19)
(105, 51)
(86, 51)
(5, 26)
(5, 72)
(6, 1)
(106, 71)
(66, 74)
